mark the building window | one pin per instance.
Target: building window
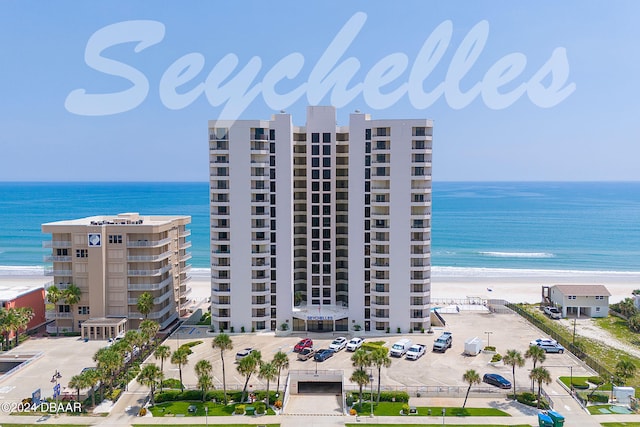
(326, 137)
(326, 150)
(315, 150)
(83, 310)
(571, 297)
(82, 253)
(115, 238)
(315, 137)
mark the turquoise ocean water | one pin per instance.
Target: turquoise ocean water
(525, 226)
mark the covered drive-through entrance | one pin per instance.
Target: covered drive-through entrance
(325, 387)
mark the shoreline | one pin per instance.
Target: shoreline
(446, 282)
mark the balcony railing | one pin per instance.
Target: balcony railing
(147, 243)
(50, 315)
(159, 257)
(52, 272)
(155, 272)
(149, 286)
(56, 244)
(57, 258)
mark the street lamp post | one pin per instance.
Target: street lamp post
(443, 412)
(56, 388)
(371, 393)
(571, 378)
(206, 415)
(612, 388)
(488, 335)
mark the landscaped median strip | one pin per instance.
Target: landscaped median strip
(390, 409)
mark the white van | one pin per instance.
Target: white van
(400, 348)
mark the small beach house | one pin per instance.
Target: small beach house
(581, 300)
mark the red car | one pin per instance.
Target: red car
(305, 343)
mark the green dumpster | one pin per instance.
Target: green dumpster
(544, 420)
(558, 420)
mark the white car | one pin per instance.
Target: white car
(543, 341)
(244, 353)
(338, 344)
(415, 352)
(354, 344)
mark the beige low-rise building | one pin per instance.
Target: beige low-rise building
(113, 260)
(581, 300)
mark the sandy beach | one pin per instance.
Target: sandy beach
(447, 282)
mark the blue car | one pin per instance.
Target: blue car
(496, 380)
(322, 355)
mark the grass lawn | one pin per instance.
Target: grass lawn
(595, 409)
(181, 407)
(566, 381)
(619, 329)
(386, 409)
(620, 424)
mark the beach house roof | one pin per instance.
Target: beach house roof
(583, 290)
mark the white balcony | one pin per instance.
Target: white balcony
(149, 286)
(154, 272)
(147, 258)
(148, 243)
(56, 258)
(52, 272)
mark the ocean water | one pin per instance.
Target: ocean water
(522, 226)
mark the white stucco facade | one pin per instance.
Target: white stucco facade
(581, 300)
(320, 227)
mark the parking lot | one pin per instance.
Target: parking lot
(507, 331)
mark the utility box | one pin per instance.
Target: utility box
(472, 346)
(558, 420)
(623, 395)
(544, 420)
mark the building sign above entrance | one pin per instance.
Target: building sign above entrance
(319, 317)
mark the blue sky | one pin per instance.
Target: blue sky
(590, 134)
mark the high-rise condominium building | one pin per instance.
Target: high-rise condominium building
(320, 227)
(113, 260)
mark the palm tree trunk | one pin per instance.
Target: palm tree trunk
(181, 385)
(267, 394)
(224, 379)
(539, 393)
(161, 372)
(278, 386)
(244, 389)
(360, 397)
(533, 384)
(379, 373)
(466, 396)
(514, 382)
(153, 390)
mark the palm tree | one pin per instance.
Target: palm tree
(23, 317)
(72, 297)
(536, 354)
(145, 304)
(150, 375)
(247, 367)
(280, 361)
(92, 377)
(203, 372)
(54, 295)
(380, 358)
(540, 375)
(180, 357)
(361, 358)
(224, 343)
(78, 382)
(625, 369)
(162, 352)
(268, 371)
(149, 330)
(361, 378)
(5, 328)
(513, 358)
(109, 362)
(471, 377)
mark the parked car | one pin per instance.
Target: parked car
(416, 351)
(496, 380)
(305, 343)
(552, 348)
(306, 353)
(552, 312)
(323, 354)
(244, 353)
(354, 344)
(541, 341)
(443, 342)
(338, 344)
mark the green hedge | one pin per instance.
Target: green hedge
(530, 399)
(596, 380)
(370, 346)
(385, 396)
(598, 398)
(171, 383)
(580, 385)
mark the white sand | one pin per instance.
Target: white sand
(447, 283)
